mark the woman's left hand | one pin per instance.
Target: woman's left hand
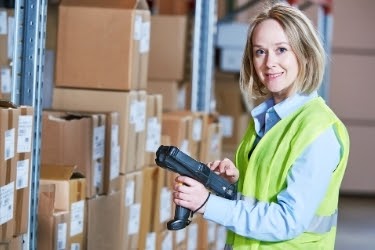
(189, 193)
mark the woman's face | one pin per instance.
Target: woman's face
(274, 61)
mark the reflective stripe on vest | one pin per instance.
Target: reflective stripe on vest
(319, 224)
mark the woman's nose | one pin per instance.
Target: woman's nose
(271, 60)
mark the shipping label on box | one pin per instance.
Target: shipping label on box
(153, 134)
(22, 179)
(3, 22)
(61, 235)
(98, 142)
(165, 204)
(25, 132)
(77, 213)
(144, 45)
(5, 80)
(115, 162)
(226, 123)
(6, 203)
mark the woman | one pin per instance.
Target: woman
(293, 156)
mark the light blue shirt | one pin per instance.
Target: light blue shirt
(307, 183)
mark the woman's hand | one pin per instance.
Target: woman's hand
(226, 169)
(189, 193)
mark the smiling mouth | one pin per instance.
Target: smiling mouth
(272, 76)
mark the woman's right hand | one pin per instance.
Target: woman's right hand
(226, 169)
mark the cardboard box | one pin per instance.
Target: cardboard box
(131, 210)
(8, 166)
(164, 208)
(149, 193)
(112, 153)
(173, 93)
(104, 222)
(164, 240)
(178, 128)
(70, 193)
(24, 150)
(192, 236)
(167, 56)
(211, 148)
(172, 7)
(359, 16)
(231, 59)
(197, 130)
(76, 138)
(6, 35)
(108, 52)
(131, 107)
(344, 97)
(53, 225)
(358, 178)
(153, 128)
(13, 244)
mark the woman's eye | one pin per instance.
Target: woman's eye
(282, 50)
(259, 52)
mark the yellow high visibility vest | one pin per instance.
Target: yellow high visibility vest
(263, 176)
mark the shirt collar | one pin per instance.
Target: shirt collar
(282, 109)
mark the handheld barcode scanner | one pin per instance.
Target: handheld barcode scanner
(171, 158)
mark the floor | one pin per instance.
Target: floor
(356, 223)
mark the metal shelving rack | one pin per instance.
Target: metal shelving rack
(27, 82)
(203, 54)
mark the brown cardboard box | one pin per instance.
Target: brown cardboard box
(172, 91)
(192, 235)
(131, 209)
(359, 175)
(144, 48)
(6, 36)
(164, 240)
(24, 149)
(149, 194)
(164, 209)
(359, 16)
(197, 132)
(104, 222)
(112, 153)
(167, 48)
(14, 244)
(345, 98)
(77, 139)
(172, 7)
(211, 148)
(8, 166)
(70, 193)
(102, 39)
(131, 107)
(51, 26)
(178, 128)
(153, 127)
(53, 225)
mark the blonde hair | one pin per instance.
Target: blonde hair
(304, 41)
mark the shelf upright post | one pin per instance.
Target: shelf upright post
(27, 82)
(203, 54)
(325, 27)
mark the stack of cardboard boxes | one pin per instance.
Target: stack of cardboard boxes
(16, 135)
(352, 88)
(104, 125)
